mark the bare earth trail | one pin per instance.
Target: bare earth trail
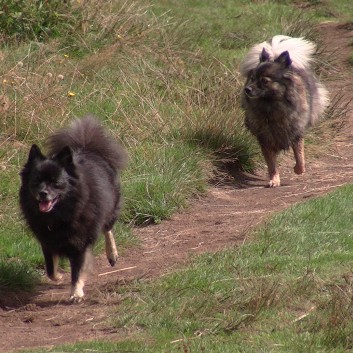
(219, 220)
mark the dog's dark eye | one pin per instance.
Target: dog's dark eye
(265, 80)
(57, 184)
(35, 181)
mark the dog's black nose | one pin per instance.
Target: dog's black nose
(248, 90)
(43, 194)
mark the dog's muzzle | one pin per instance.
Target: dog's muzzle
(45, 202)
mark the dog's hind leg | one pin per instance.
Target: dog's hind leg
(298, 149)
(271, 161)
(110, 248)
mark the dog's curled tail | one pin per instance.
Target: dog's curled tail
(88, 135)
(300, 51)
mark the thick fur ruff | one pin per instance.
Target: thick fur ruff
(282, 97)
(71, 196)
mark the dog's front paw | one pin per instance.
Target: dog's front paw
(57, 277)
(299, 169)
(75, 300)
(77, 293)
(274, 182)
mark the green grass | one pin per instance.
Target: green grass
(226, 28)
(341, 10)
(33, 20)
(287, 290)
(156, 185)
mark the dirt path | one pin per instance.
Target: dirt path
(220, 219)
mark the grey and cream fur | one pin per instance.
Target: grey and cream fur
(72, 195)
(282, 98)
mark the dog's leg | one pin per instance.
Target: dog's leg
(271, 161)
(51, 265)
(110, 248)
(56, 276)
(298, 149)
(78, 276)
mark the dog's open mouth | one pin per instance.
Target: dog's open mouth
(47, 205)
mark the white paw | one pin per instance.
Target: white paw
(113, 257)
(57, 277)
(77, 293)
(75, 300)
(274, 182)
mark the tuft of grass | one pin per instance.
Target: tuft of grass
(156, 184)
(16, 275)
(33, 20)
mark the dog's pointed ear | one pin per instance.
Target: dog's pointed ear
(284, 59)
(264, 56)
(35, 154)
(64, 157)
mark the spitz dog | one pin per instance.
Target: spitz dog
(282, 98)
(71, 195)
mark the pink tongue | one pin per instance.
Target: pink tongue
(45, 206)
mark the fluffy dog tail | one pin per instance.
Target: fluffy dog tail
(323, 97)
(88, 135)
(300, 50)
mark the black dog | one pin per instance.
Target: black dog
(71, 196)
